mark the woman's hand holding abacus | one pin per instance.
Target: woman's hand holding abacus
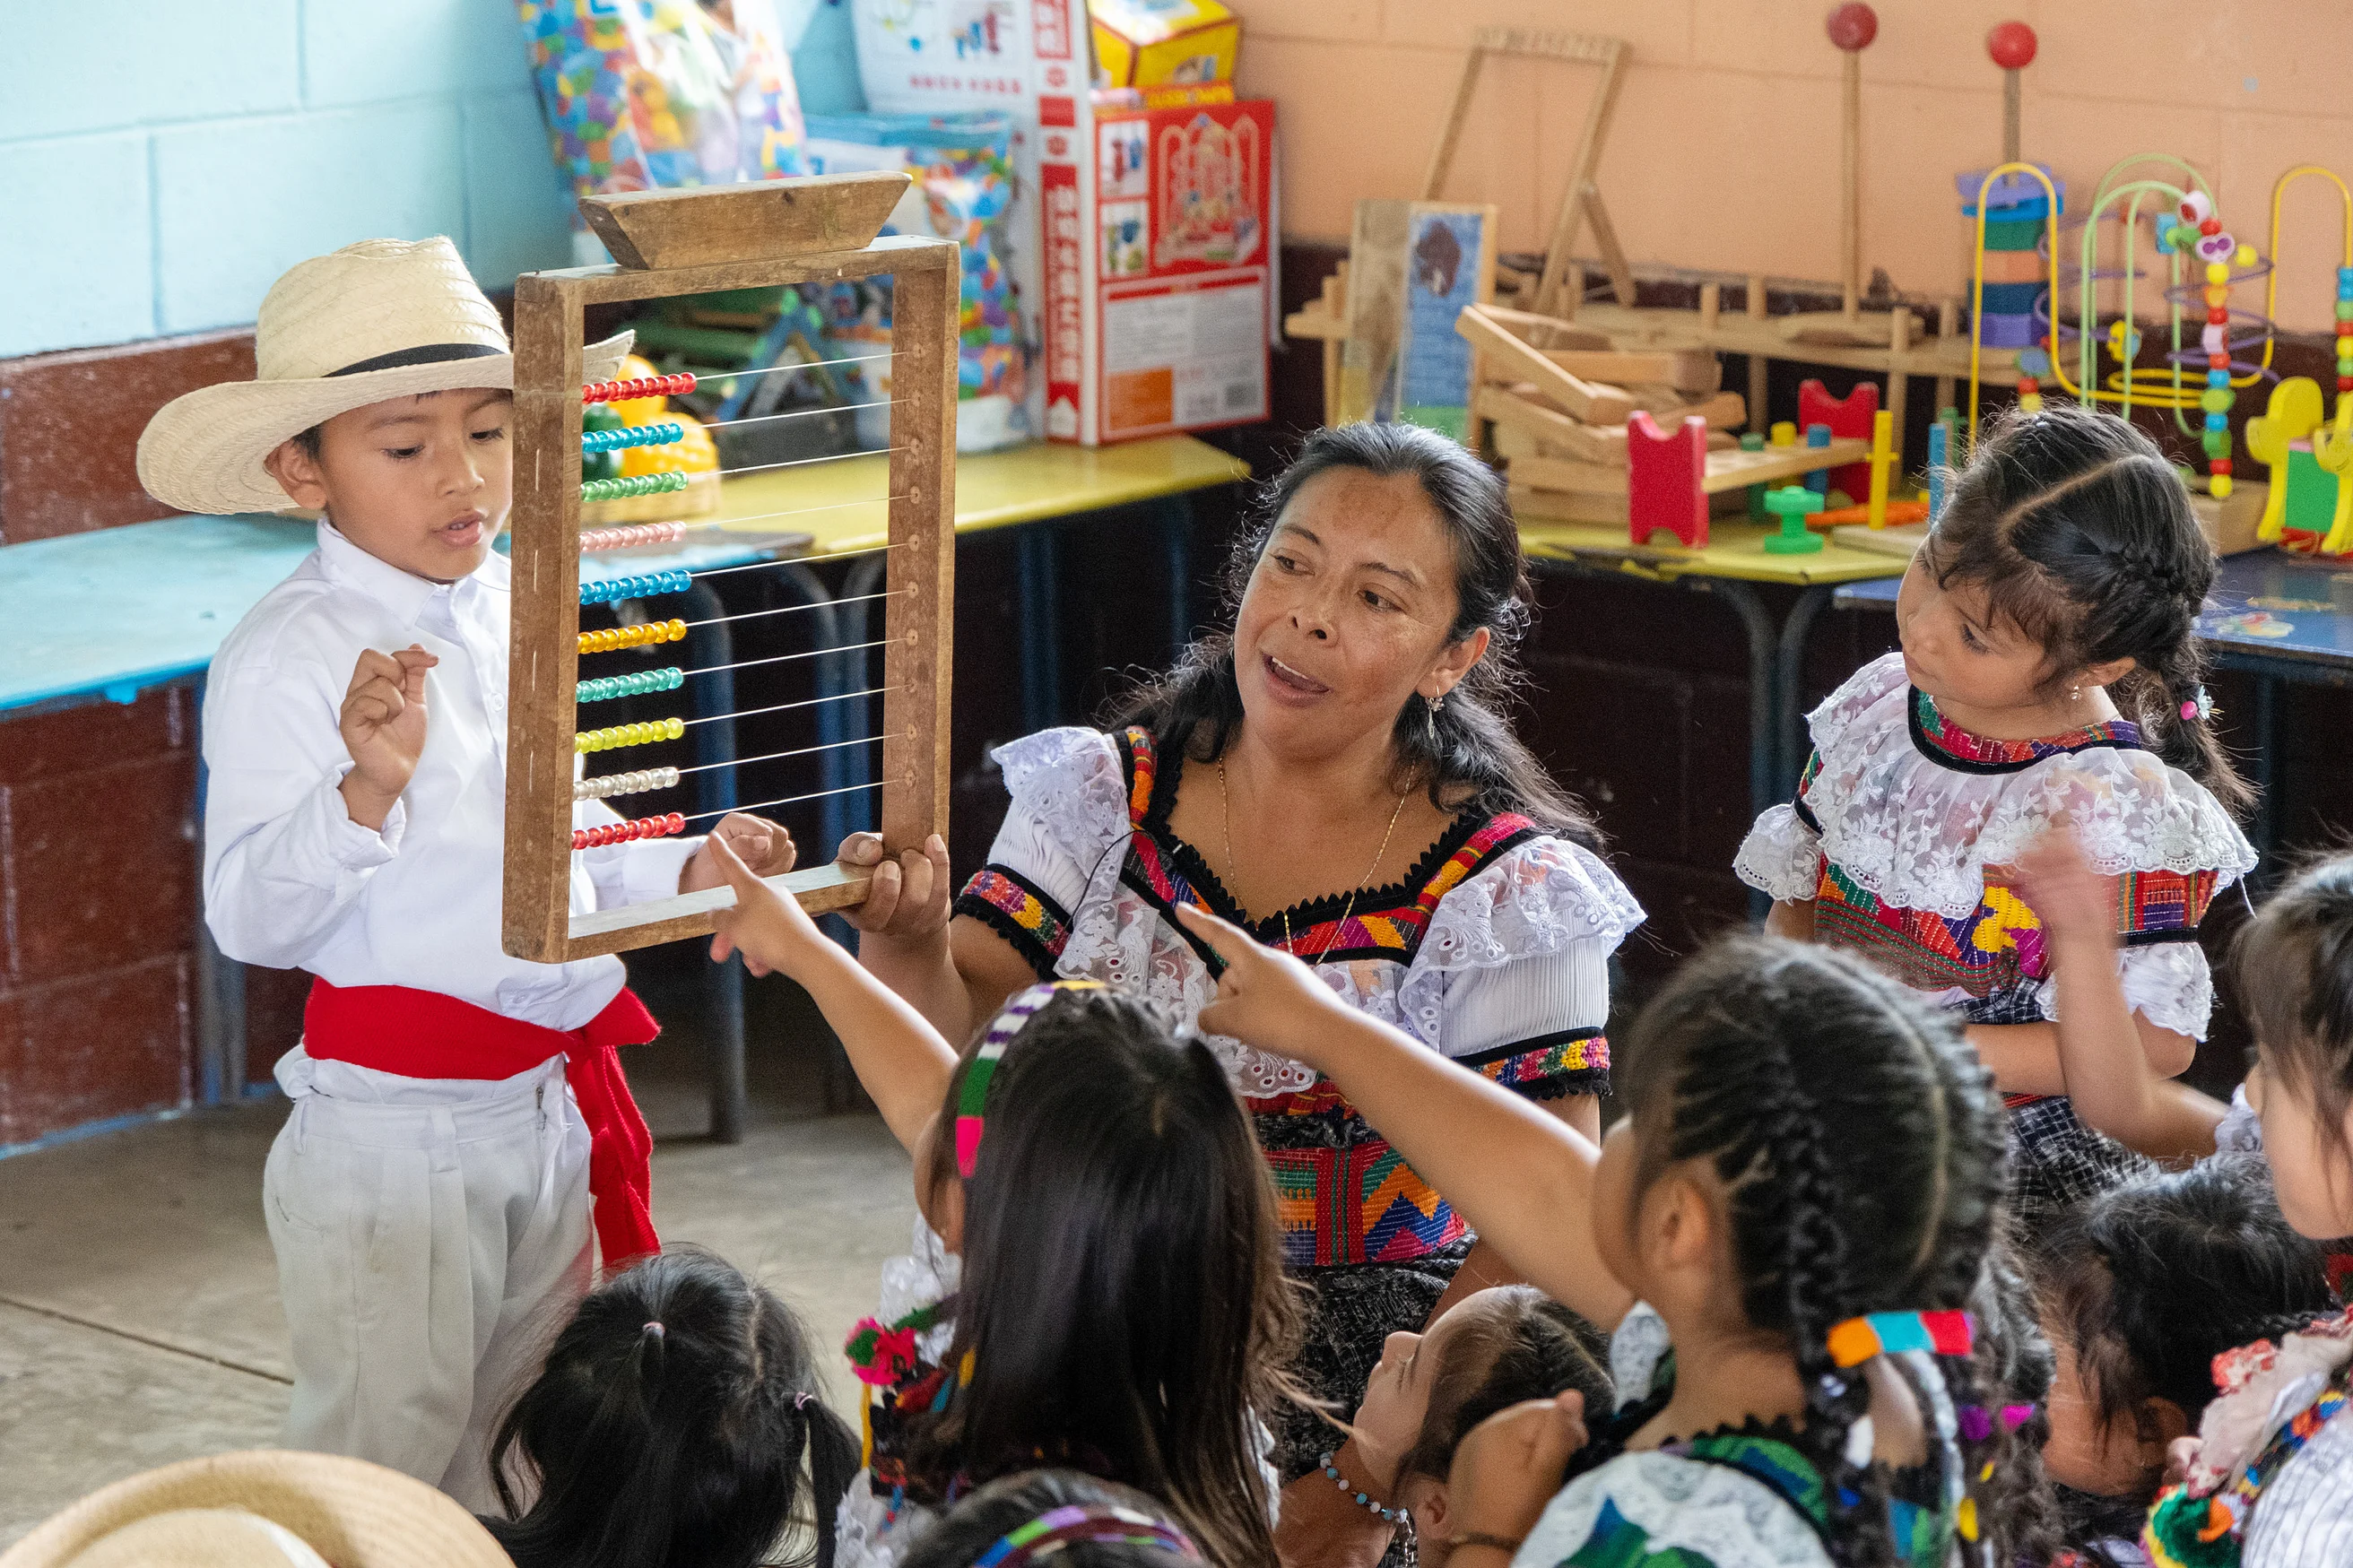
(910, 896)
(1266, 998)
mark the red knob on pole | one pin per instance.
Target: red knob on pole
(2011, 44)
(1853, 27)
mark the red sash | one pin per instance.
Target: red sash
(424, 1033)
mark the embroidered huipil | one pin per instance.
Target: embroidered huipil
(1902, 832)
(1493, 951)
(292, 881)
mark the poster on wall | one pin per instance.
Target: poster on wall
(1412, 266)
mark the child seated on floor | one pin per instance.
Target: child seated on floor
(1121, 1308)
(2268, 1481)
(2141, 1288)
(1493, 1349)
(669, 1428)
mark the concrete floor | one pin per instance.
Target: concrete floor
(139, 1315)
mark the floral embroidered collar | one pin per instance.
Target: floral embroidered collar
(1941, 741)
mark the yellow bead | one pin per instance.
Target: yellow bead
(673, 728)
(2218, 272)
(2030, 403)
(677, 631)
(2246, 256)
(2218, 296)
(580, 741)
(2221, 487)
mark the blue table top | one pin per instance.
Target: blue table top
(2267, 604)
(113, 612)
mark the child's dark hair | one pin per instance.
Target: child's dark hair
(1468, 743)
(2151, 1281)
(1861, 1145)
(1528, 1347)
(959, 1537)
(2082, 536)
(669, 1430)
(2018, 1518)
(2294, 968)
(1122, 1298)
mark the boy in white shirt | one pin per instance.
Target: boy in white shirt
(430, 1197)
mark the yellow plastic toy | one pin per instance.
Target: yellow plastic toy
(2311, 468)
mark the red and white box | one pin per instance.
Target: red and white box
(1159, 255)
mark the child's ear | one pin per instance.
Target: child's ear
(2159, 1423)
(298, 471)
(2108, 672)
(1685, 1233)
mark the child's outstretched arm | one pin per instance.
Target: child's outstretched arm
(1522, 1178)
(2106, 1061)
(899, 1059)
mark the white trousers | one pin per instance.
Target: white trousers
(432, 1237)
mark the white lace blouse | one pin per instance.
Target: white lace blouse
(1904, 824)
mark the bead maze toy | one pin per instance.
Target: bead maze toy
(788, 232)
(2310, 503)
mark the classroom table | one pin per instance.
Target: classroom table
(2275, 614)
(147, 604)
(1733, 559)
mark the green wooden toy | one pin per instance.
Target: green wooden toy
(1792, 504)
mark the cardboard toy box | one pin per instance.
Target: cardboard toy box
(1163, 43)
(1159, 266)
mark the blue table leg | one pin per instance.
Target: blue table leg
(2266, 824)
(1789, 668)
(714, 693)
(1176, 515)
(1041, 637)
(220, 979)
(1764, 702)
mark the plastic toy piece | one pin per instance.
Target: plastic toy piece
(1818, 481)
(2278, 439)
(2332, 449)
(1662, 481)
(1792, 504)
(1754, 441)
(2011, 44)
(1883, 459)
(1898, 511)
(1940, 446)
(1850, 417)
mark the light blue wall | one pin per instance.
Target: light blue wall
(162, 161)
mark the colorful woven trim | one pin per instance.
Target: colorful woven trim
(971, 1098)
(1941, 741)
(1573, 1062)
(1362, 1203)
(1778, 1464)
(1397, 932)
(1617, 1542)
(2185, 1530)
(1143, 766)
(1019, 911)
(1058, 1528)
(1858, 1339)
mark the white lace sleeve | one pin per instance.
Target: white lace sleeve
(1781, 856)
(1538, 901)
(1069, 783)
(1856, 697)
(1641, 1507)
(2168, 983)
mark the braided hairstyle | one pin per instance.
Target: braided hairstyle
(2081, 534)
(2011, 1364)
(967, 1530)
(1859, 1143)
(1525, 1346)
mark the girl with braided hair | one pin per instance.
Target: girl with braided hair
(1802, 1202)
(2049, 679)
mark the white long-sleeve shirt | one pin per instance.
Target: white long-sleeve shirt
(292, 881)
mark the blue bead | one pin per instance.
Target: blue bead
(1360, 1497)
(2218, 422)
(2218, 378)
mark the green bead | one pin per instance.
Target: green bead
(2217, 400)
(2217, 443)
(2344, 309)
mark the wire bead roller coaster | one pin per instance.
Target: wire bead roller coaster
(765, 235)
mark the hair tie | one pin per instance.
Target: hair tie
(971, 1100)
(1858, 1339)
(1057, 1527)
(655, 1328)
(2199, 707)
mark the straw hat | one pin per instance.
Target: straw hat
(381, 318)
(262, 1510)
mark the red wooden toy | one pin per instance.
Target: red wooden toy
(1848, 417)
(1662, 481)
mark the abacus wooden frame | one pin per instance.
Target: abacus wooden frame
(913, 766)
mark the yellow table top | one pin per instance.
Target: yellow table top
(844, 501)
(1735, 549)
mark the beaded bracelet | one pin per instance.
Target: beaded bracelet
(1388, 1515)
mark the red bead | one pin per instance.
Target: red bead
(2219, 466)
(2218, 362)
(2027, 385)
(675, 823)
(2345, 329)
(2219, 316)
(1853, 27)
(2345, 383)
(686, 381)
(2011, 44)
(578, 840)
(2211, 225)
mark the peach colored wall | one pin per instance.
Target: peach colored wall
(1725, 153)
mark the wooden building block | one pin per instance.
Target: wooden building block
(1687, 371)
(1662, 481)
(1850, 418)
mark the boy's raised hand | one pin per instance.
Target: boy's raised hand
(1265, 998)
(772, 932)
(382, 723)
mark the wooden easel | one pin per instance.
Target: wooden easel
(1580, 198)
(669, 243)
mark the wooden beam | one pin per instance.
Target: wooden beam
(765, 220)
(1593, 404)
(1685, 370)
(1610, 53)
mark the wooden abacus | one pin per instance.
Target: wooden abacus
(765, 235)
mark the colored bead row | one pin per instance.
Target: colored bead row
(624, 832)
(628, 538)
(620, 735)
(2200, 230)
(624, 784)
(634, 485)
(631, 436)
(1388, 1515)
(608, 687)
(2345, 329)
(613, 638)
(605, 591)
(644, 387)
